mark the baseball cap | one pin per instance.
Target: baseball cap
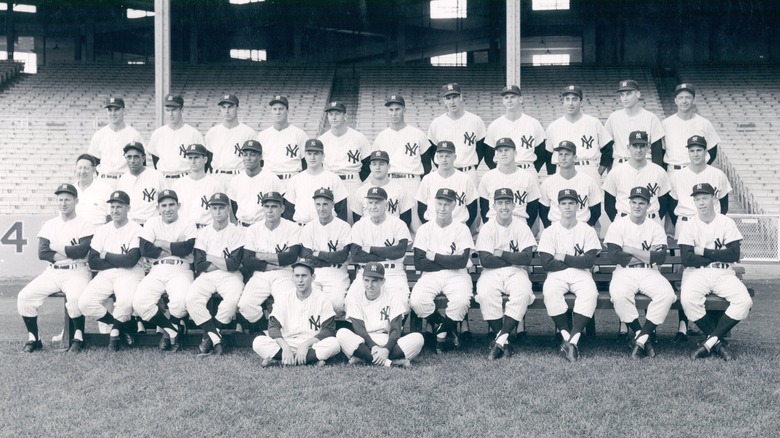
(566, 145)
(451, 88)
(279, 99)
(229, 98)
(379, 155)
(447, 194)
(252, 145)
(119, 196)
(377, 193)
(685, 87)
(336, 106)
(87, 157)
(114, 102)
(219, 199)
(627, 85)
(504, 194)
(445, 146)
(323, 192)
(641, 192)
(67, 188)
(395, 99)
(167, 193)
(567, 194)
(314, 145)
(374, 270)
(196, 149)
(572, 89)
(174, 100)
(273, 197)
(505, 142)
(511, 89)
(703, 188)
(638, 137)
(134, 145)
(305, 263)
(697, 140)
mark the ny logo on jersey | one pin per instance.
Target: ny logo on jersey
(281, 248)
(259, 198)
(582, 202)
(333, 246)
(461, 198)
(292, 151)
(204, 202)
(411, 149)
(353, 156)
(520, 197)
(149, 194)
(653, 188)
(389, 242)
(182, 150)
(226, 252)
(124, 249)
(74, 241)
(645, 246)
(578, 251)
(513, 246)
(719, 244)
(469, 139)
(587, 142)
(392, 205)
(385, 314)
(453, 248)
(237, 149)
(315, 324)
(527, 142)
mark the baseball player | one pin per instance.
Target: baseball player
(709, 245)
(523, 183)
(522, 129)
(283, 142)
(633, 117)
(167, 242)
(168, 143)
(399, 203)
(218, 254)
(195, 188)
(466, 131)
(377, 325)
(568, 249)
(504, 246)
(93, 192)
(63, 242)
(460, 184)
(580, 129)
(270, 248)
(246, 189)
(107, 143)
(141, 183)
(302, 325)
(114, 252)
(442, 251)
(569, 177)
(326, 243)
(638, 245)
(382, 238)
(302, 186)
(226, 139)
(683, 125)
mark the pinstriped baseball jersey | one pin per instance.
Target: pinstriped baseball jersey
(331, 237)
(678, 131)
(624, 232)
(576, 241)
(524, 184)
(512, 238)
(388, 233)
(220, 243)
(376, 313)
(108, 238)
(526, 132)
(452, 239)
(587, 133)
(178, 231)
(459, 182)
(169, 146)
(143, 190)
(623, 177)
(65, 233)
(589, 194)
(714, 235)
(302, 319)
(620, 125)
(683, 180)
(283, 150)
(344, 154)
(260, 239)
(108, 145)
(464, 133)
(301, 188)
(225, 144)
(397, 199)
(404, 147)
(248, 192)
(194, 197)
(92, 205)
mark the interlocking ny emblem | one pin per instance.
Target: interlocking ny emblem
(292, 151)
(237, 149)
(204, 202)
(225, 252)
(582, 202)
(74, 241)
(653, 188)
(587, 142)
(513, 246)
(527, 142)
(315, 324)
(281, 248)
(389, 242)
(469, 138)
(259, 198)
(453, 248)
(353, 156)
(149, 194)
(385, 313)
(461, 198)
(124, 249)
(719, 244)
(520, 197)
(578, 251)
(392, 205)
(411, 149)
(333, 246)
(645, 246)
(182, 150)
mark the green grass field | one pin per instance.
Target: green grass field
(143, 392)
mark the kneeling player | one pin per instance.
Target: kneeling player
(377, 323)
(638, 245)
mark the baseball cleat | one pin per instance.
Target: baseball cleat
(165, 341)
(495, 352)
(680, 338)
(206, 345)
(76, 346)
(31, 346)
(569, 351)
(113, 343)
(401, 363)
(509, 350)
(455, 341)
(176, 343)
(649, 349)
(721, 351)
(700, 353)
(440, 345)
(218, 350)
(637, 351)
(127, 338)
(354, 361)
(622, 336)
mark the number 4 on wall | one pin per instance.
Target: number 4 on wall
(15, 237)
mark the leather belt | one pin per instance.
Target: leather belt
(285, 175)
(684, 218)
(170, 262)
(176, 175)
(640, 265)
(524, 165)
(651, 215)
(244, 224)
(105, 175)
(718, 265)
(403, 175)
(584, 163)
(466, 169)
(70, 266)
(228, 172)
(199, 226)
(622, 160)
(677, 167)
(386, 265)
(349, 176)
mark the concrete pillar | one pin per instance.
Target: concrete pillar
(9, 31)
(162, 56)
(513, 42)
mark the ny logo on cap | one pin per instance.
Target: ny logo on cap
(567, 192)
(377, 154)
(170, 98)
(277, 97)
(698, 186)
(393, 97)
(623, 84)
(217, 196)
(319, 191)
(333, 103)
(191, 147)
(694, 138)
(638, 190)
(63, 187)
(227, 96)
(115, 195)
(503, 191)
(449, 86)
(112, 100)
(571, 87)
(638, 136)
(446, 192)
(373, 267)
(166, 192)
(374, 190)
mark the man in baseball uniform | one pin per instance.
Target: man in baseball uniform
(459, 183)
(377, 325)
(326, 243)
(399, 202)
(218, 253)
(633, 117)
(270, 248)
(167, 242)
(582, 130)
(302, 325)
(638, 246)
(569, 177)
(568, 249)
(115, 253)
(225, 140)
(93, 192)
(504, 246)
(63, 242)
(522, 129)
(246, 189)
(381, 238)
(283, 142)
(302, 186)
(141, 183)
(107, 143)
(683, 125)
(709, 246)
(195, 188)
(168, 143)
(523, 183)
(442, 252)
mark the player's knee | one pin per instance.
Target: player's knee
(73, 309)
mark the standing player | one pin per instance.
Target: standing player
(568, 249)
(167, 242)
(709, 245)
(108, 141)
(141, 183)
(522, 129)
(504, 246)
(683, 125)
(283, 142)
(442, 251)
(399, 202)
(569, 178)
(638, 246)
(246, 189)
(218, 254)
(325, 245)
(168, 143)
(302, 186)
(115, 253)
(523, 183)
(377, 325)
(459, 183)
(93, 192)
(63, 242)
(633, 117)
(195, 188)
(582, 130)
(302, 325)
(224, 140)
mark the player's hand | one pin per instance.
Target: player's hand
(300, 356)
(656, 247)
(498, 253)
(380, 354)
(288, 356)
(698, 250)
(560, 256)
(430, 255)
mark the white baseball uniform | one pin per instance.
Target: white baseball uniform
(398, 199)
(332, 280)
(678, 131)
(620, 125)
(92, 205)
(247, 191)
(524, 185)
(108, 146)
(588, 134)
(404, 147)
(283, 150)
(683, 180)
(169, 146)
(588, 193)
(225, 145)
(623, 177)
(143, 190)
(301, 188)
(459, 182)
(526, 132)
(343, 156)
(194, 197)
(464, 132)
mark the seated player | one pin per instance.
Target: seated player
(302, 325)
(505, 244)
(399, 204)
(638, 245)
(568, 249)
(377, 324)
(460, 184)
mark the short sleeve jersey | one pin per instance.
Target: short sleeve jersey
(92, 205)
(387, 233)
(225, 143)
(143, 190)
(169, 145)
(376, 314)
(587, 133)
(220, 243)
(260, 239)
(524, 185)
(108, 146)
(589, 194)
(404, 147)
(302, 319)
(576, 241)
(334, 236)
(514, 237)
(109, 238)
(678, 131)
(625, 233)
(66, 233)
(398, 200)
(623, 177)
(344, 154)
(450, 240)
(248, 193)
(194, 197)
(714, 235)
(526, 132)
(620, 126)
(683, 181)
(177, 231)
(283, 150)
(459, 182)
(301, 188)
(464, 132)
